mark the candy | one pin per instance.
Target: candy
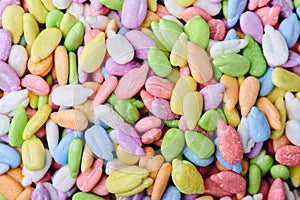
(197, 31)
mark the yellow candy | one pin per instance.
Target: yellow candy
(33, 154)
(152, 5)
(275, 94)
(12, 20)
(38, 10)
(185, 3)
(31, 28)
(178, 56)
(146, 183)
(45, 43)
(87, 159)
(186, 177)
(280, 106)
(297, 95)
(192, 108)
(37, 121)
(184, 85)
(48, 4)
(295, 175)
(33, 100)
(93, 54)
(125, 157)
(206, 197)
(286, 80)
(233, 117)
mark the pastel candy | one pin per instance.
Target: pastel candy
(159, 62)
(17, 127)
(66, 23)
(251, 25)
(171, 193)
(140, 42)
(258, 126)
(285, 79)
(10, 80)
(174, 8)
(236, 182)
(11, 102)
(266, 84)
(280, 106)
(74, 38)
(178, 56)
(99, 142)
(291, 126)
(74, 156)
(161, 108)
(272, 39)
(208, 120)
(130, 8)
(62, 181)
(38, 10)
(197, 31)
(212, 8)
(18, 58)
(3, 168)
(119, 53)
(191, 156)
(293, 60)
(33, 154)
(173, 138)
(288, 155)
(159, 87)
(52, 136)
(9, 156)
(54, 18)
(257, 3)
(116, 69)
(212, 96)
(86, 196)
(290, 28)
(106, 113)
(6, 47)
(62, 4)
(115, 5)
(192, 108)
(286, 7)
(4, 124)
(40, 192)
(234, 10)
(247, 141)
(227, 47)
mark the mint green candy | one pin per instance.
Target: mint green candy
(216, 71)
(54, 18)
(74, 156)
(208, 121)
(174, 76)
(49, 80)
(42, 101)
(159, 62)
(198, 143)
(137, 103)
(280, 171)
(167, 32)
(2, 197)
(73, 75)
(127, 111)
(232, 64)
(254, 179)
(224, 8)
(67, 22)
(172, 144)
(74, 38)
(86, 196)
(263, 161)
(253, 52)
(296, 3)
(113, 4)
(17, 127)
(172, 123)
(198, 31)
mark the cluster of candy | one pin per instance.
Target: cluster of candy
(140, 99)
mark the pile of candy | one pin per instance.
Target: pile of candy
(147, 99)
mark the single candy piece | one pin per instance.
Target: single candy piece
(35, 84)
(133, 13)
(251, 25)
(74, 156)
(52, 136)
(208, 120)
(31, 28)
(212, 96)
(290, 28)
(254, 179)
(161, 108)
(286, 80)
(258, 126)
(290, 131)
(234, 10)
(114, 5)
(17, 127)
(73, 119)
(178, 56)
(9, 78)
(276, 190)
(54, 18)
(173, 138)
(186, 177)
(286, 7)
(159, 87)
(288, 155)
(227, 47)
(40, 192)
(236, 183)
(171, 193)
(11, 102)
(192, 108)
(62, 181)
(271, 40)
(74, 38)
(217, 29)
(9, 187)
(266, 84)
(9, 156)
(38, 10)
(229, 143)
(280, 171)
(197, 31)
(18, 58)
(293, 60)
(33, 154)
(280, 106)
(159, 62)
(231, 89)
(212, 8)
(6, 46)
(161, 181)
(247, 141)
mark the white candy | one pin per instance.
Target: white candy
(119, 48)
(85, 23)
(107, 115)
(18, 59)
(274, 47)
(227, 47)
(4, 124)
(76, 9)
(11, 102)
(70, 95)
(62, 4)
(174, 8)
(62, 181)
(246, 140)
(97, 22)
(211, 8)
(33, 176)
(292, 131)
(52, 136)
(51, 190)
(289, 195)
(114, 165)
(292, 105)
(114, 15)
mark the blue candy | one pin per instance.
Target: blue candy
(266, 84)
(9, 156)
(105, 74)
(172, 193)
(258, 125)
(62, 149)
(123, 30)
(231, 35)
(98, 122)
(3, 168)
(298, 11)
(191, 156)
(234, 10)
(290, 28)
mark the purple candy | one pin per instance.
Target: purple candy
(138, 196)
(212, 96)
(161, 109)
(40, 192)
(140, 42)
(133, 13)
(82, 75)
(286, 7)
(251, 25)
(296, 70)
(190, 196)
(9, 79)
(96, 4)
(293, 60)
(255, 150)
(5, 47)
(116, 69)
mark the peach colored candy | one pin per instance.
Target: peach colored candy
(9, 187)
(185, 71)
(41, 68)
(98, 76)
(61, 64)
(147, 123)
(112, 25)
(162, 10)
(149, 152)
(280, 142)
(217, 29)
(105, 90)
(103, 11)
(257, 3)
(26, 194)
(272, 114)
(269, 15)
(150, 17)
(147, 98)
(153, 165)
(248, 94)
(35, 84)
(161, 181)
(276, 191)
(100, 188)
(91, 35)
(87, 159)
(86, 181)
(50, 102)
(231, 91)
(191, 12)
(16, 173)
(73, 119)
(151, 136)
(159, 87)
(92, 85)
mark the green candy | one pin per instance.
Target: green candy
(54, 18)
(34, 99)
(113, 4)
(49, 80)
(280, 106)
(17, 127)
(280, 171)
(167, 32)
(198, 31)
(254, 179)
(263, 161)
(137, 103)
(172, 144)
(42, 101)
(296, 3)
(2, 197)
(86, 196)
(66, 23)
(157, 42)
(253, 52)
(224, 6)
(73, 75)
(74, 38)
(174, 76)
(159, 62)
(216, 71)
(201, 145)
(232, 64)
(172, 123)
(74, 156)
(208, 121)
